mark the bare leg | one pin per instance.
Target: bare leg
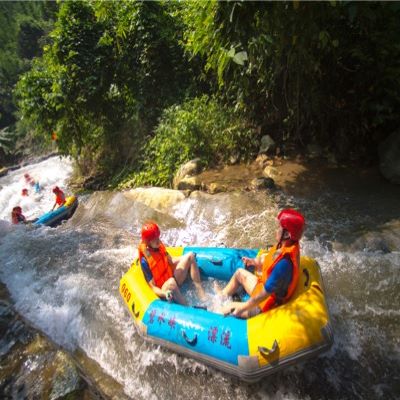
(171, 284)
(185, 264)
(242, 278)
(227, 309)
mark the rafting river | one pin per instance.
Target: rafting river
(65, 281)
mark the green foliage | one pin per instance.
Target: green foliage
(22, 26)
(202, 128)
(7, 142)
(104, 80)
(325, 72)
(302, 72)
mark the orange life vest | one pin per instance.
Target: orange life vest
(60, 198)
(158, 263)
(270, 261)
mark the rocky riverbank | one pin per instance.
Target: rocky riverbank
(33, 367)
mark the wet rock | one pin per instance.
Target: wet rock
(262, 183)
(216, 187)
(189, 183)
(270, 172)
(94, 182)
(157, 198)
(384, 238)
(389, 156)
(234, 159)
(267, 144)
(189, 169)
(262, 160)
(3, 171)
(31, 366)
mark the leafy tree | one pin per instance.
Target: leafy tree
(200, 127)
(103, 82)
(303, 71)
(22, 26)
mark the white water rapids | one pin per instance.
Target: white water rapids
(65, 281)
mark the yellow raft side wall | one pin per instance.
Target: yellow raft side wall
(175, 251)
(137, 300)
(69, 201)
(142, 296)
(295, 326)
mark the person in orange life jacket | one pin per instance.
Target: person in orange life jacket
(165, 274)
(60, 197)
(279, 271)
(17, 217)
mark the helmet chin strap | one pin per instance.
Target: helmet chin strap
(284, 236)
(152, 248)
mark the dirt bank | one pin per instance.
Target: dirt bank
(300, 177)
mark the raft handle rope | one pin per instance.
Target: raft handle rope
(307, 274)
(191, 342)
(266, 352)
(136, 314)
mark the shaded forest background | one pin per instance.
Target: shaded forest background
(134, 89)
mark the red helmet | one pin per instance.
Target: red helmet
(24, 192)
(293, 222)
(26, 175)
(56, 189)
(17, 210)
(150, 231)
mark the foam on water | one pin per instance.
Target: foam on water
(65, 280)
(51, 172)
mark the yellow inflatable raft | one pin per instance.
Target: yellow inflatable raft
(249, 349)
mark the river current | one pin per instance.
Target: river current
(65, 281)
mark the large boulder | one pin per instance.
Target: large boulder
(271, 172)
(190, 183)
(389, 156)
(262, 183)
(216, 187)
(267, 144)
(192, 167)
(157, 198)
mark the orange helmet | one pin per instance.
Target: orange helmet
(150, 231)
(293, 222)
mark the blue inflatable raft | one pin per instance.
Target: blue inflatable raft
(53, 218)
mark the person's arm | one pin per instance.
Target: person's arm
(257, 262)
(163, 294)
(55, 203)
(241, 310)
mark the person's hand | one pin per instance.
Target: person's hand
(247, 261)
(169, 296)
(235, 311)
